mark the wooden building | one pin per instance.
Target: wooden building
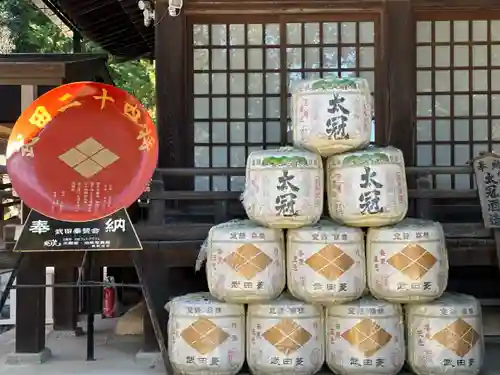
(224, 70)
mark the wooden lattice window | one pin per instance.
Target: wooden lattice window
(242, 77)
(458, 92)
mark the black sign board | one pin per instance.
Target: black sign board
(487, 172)
(114, 232)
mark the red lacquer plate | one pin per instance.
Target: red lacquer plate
(82, 151)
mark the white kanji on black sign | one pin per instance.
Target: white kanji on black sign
(39, 226)
(114, 225)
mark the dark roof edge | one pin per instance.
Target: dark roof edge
(53, 57)
(61, 15)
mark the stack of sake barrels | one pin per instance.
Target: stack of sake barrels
(364, 288)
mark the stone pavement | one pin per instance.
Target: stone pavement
(116, 355)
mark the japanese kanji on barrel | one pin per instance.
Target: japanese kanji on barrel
(326, 265)
(284, 188)
(205, 336)
(331, 115)
(365, 337)
(245, 262)
(407, 261)
(445, 335)
(367, 188)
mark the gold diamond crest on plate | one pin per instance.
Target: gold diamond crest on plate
(367, 336)
(413, 261)
(287, 336)
(330, 262)
(459, 337)
(248, 260)
(204, 336)
(88, 158)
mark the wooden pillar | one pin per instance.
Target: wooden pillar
(30, 302)
(150, 343)
(77, 42)
(65, 300)
(30, 308)
(173, 128)
(160, 277)
(399, 46)
(173, 133)
(28, 94)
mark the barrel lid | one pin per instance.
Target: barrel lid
(370, 150)
(372, 155)
(332, 83)
(284, 157)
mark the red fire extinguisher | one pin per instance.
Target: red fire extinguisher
(109, 299)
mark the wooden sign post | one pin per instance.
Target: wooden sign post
(114, 232)
(89, 150)
(487, 172)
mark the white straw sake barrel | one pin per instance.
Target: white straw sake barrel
(205, 336)
(284, 188)
(285, 337)
(367, 188)
(407, 261)
(326, 263)
(365, 337)
(331, 115)
(245, 262)
(445, 336)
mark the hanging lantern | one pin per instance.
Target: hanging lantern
(147, 11)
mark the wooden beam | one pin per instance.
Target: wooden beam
(252, 7)
(463, 251)
(467, 5)
(31, 73)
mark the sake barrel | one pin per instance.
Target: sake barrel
(326, 263)
(284, 188)
(407, 261)
(245, 262)
(365, 337)
(445, 336)
(367, 188)
(285, 336)
(331, 115)
(205, 336)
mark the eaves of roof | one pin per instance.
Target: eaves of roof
(116, 25)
